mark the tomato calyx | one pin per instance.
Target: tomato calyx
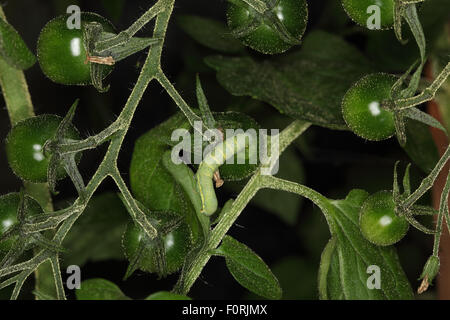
(118, 47)
(269, 18)
(58, 158)
(167, 224)
(401, 206)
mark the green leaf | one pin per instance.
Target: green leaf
(210, 33)
(13, 49)
(415, 25)
(97, 234)
(99, 289)
(165, 295)
(308, 84)
(249, 269)
(150, 181)
(343, 273)
(420, 145)
(297, 278)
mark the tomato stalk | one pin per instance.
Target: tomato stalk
(443, 246)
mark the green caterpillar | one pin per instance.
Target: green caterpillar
(185, 177)
(199, 187)
(210, 164)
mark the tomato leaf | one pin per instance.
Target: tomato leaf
(420, 146)
(151, 183)
(344, 272)
(210, 33)
(97, 234)
(13, 49)
(100, 289)
(249, 269)
(165, 295)
(308, 84)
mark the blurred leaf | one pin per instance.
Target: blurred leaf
(209, 33)
(249, 269)
(433, 16)
(345, 259)
(308, 84)
(437, 64)
(114, 8)
(97, 234)
(297, 277)
(99, 289)
(13, 49)
(420, 145)
(285, 205)
(165, 295)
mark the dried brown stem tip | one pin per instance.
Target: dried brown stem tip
(109, 61)
(423, 286)
(218, 179)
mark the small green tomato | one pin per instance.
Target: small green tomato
(362, 107)
(378, 222)
(24, 147)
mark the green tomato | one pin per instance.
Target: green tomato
(61, 51)
(24, 147)
(293, 14)
(9, 204)
(362, 110)
(358, 11)
(176, 246)
(378, 222)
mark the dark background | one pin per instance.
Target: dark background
(334, 162)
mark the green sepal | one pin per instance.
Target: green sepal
(69, 161)
(123, 51)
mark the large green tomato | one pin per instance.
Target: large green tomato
(61, 51)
